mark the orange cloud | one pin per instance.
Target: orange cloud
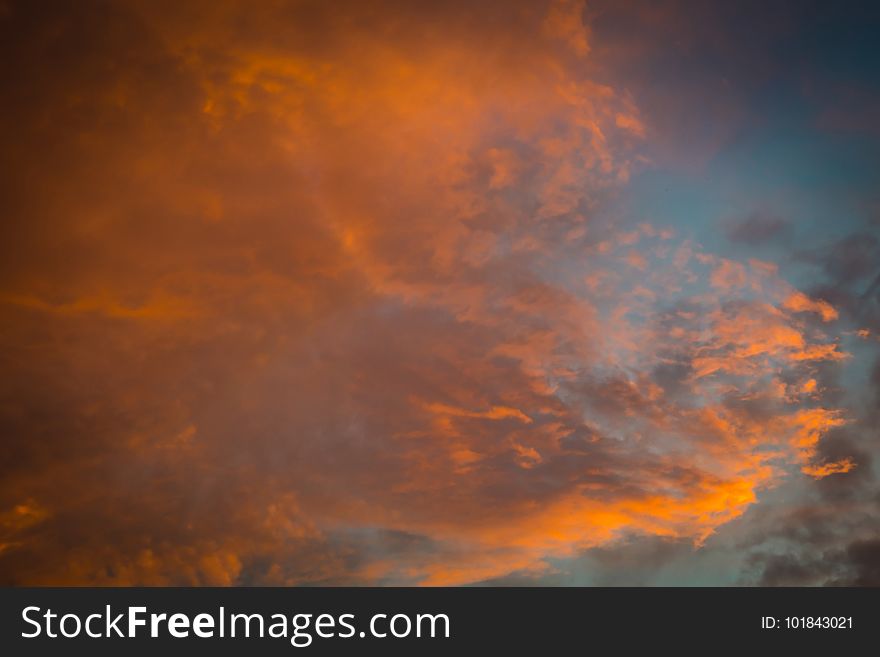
(800, 303)
(826, 469)
(314, 294)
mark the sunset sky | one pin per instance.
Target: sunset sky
(440, 293)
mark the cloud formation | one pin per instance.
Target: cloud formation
(325, 294)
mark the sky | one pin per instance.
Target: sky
(410, 293)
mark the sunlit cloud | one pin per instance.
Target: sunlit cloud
(322, 294)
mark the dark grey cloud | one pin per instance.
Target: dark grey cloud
(758, 228)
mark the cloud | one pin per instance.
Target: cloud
(313, 294)
(758, 229)
(864, 557)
